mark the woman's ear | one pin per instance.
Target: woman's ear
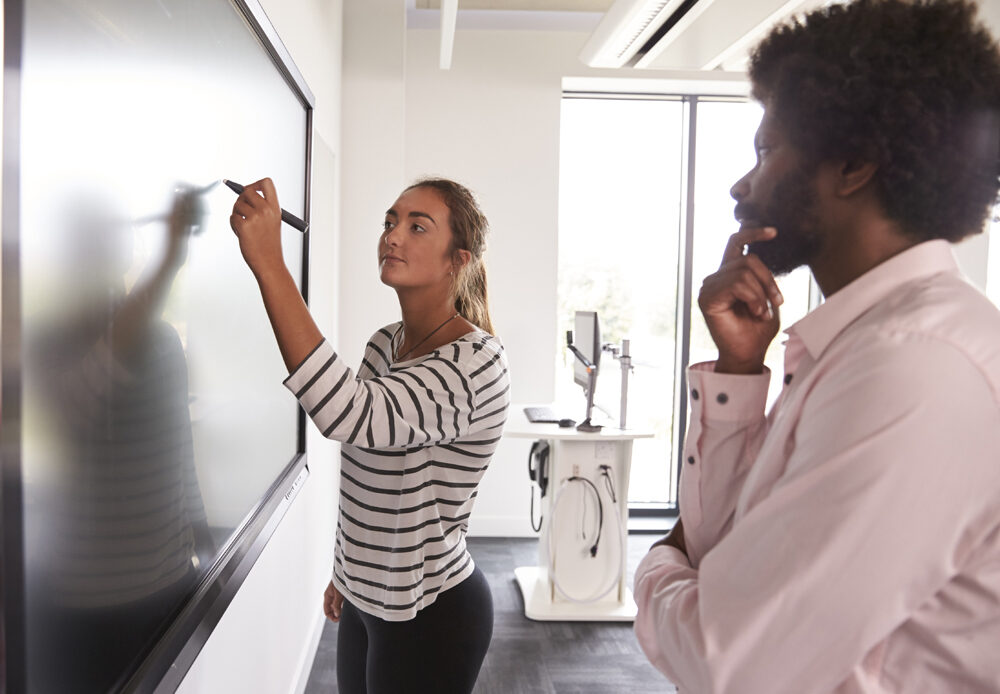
(461, 258)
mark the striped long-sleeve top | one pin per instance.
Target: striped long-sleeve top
(417, 437)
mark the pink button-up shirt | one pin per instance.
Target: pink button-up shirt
(850, 540)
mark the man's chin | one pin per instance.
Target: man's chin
(778, 257)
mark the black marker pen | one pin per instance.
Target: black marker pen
(286, 216)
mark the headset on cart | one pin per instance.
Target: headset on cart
(538, 472)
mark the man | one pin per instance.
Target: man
(850, 540)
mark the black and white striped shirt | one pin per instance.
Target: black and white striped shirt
(418, 436)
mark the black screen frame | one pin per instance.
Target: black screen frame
(164, 666)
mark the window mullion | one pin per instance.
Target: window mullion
(685, 256)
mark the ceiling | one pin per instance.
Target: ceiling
(714, 34)
(523, 5)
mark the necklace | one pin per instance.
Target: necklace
(400, 357)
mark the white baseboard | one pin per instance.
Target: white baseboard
(309, 655)
(500, 526)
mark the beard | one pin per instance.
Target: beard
(792, 211)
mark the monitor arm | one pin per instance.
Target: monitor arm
(586, 425)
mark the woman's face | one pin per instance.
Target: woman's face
(414, 249)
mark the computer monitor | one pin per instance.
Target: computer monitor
(587, 339)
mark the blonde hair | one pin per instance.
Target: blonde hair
(468, 230)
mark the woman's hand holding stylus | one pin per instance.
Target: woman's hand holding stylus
(256, 219)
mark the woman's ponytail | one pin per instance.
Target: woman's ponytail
(472, 296)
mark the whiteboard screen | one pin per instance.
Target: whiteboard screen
(153, 419)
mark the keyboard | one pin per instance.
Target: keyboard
(541, 414)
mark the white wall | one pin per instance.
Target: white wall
(266, 640)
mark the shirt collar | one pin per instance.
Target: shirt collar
(818, 329)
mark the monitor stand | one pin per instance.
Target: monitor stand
(586, 425)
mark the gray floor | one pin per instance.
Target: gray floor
(529, 657)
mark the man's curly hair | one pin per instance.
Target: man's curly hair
(911, 85)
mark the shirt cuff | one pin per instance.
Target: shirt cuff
(727, 397)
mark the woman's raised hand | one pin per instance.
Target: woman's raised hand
(256, 219)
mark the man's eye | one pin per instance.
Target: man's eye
(387, 225)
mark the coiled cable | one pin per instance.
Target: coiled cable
(602, 591)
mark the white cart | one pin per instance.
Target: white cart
(580, 586)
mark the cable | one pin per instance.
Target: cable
(601, 592)
(531, 492)
(608, 482)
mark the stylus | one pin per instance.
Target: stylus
(286, 216)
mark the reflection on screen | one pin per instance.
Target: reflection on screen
(154, 416)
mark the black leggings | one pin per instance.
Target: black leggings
(439, 651)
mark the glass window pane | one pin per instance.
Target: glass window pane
(619, 203)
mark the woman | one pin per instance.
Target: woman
(419, 425)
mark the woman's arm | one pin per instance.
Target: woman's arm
(463, 390)
(256, 219)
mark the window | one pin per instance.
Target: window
(644, 214)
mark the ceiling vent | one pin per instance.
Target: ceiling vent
(632, 28)
(685, 34)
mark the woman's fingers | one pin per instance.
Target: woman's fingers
(257, 196)
(260, 194)
(244, 207)
(330, 606)
(338, 603)
(266, 187)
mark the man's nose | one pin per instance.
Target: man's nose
(741, 188)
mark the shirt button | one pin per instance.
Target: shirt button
(722, 398)
(788, 378)
(694, 394)
(690, 460)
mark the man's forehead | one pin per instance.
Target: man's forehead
(769, 126)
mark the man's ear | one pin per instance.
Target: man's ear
(855, 175)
